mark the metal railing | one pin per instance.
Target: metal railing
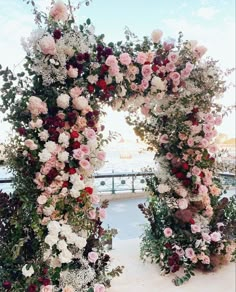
(128, 181)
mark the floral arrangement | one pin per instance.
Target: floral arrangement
(51, 233)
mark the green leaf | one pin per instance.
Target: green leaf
(88, 21)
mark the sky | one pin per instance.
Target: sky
(210, 22)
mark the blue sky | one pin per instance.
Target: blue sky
(211, 22)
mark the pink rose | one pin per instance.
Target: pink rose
(218, 120)
(76, 91)
(30, 144)
(59, 11)
(206, 260)
(94, 199)
(92, 257)
(156, 36)
(36, 106)
(80, 103)
(202, 190)
(144, 84)
(111, 61)
(209, 118)
(169, 156)
(68, 289)
(114, 70)
(72, 72)
(189, 66)
(174, 76)
(189, 252)
(173, 57)
(90, 134)
(47, 45)
(146, 71)
(133, 86)
(170, 67)
(196, 170)
(183, 204)
(85, 164)
(168, 232)
(184, 73)
(102, 213)
(199, 51)
(215, 236)
(164, 139)
(213, 148)
(204, 143)
(206, 237)
(125, 59)
(85, 149)
(182, 136)
(48, 288)
(92, 214)
(42, 200)
(78, 154)
(195, 228)
(99, 288)
(101, 155)
(141, 58)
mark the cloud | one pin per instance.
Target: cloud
(207, 13)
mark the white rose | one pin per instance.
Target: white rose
(42, 199)
(156, 36)
(75, 193)
(163, 188)
(66, 230)
(51, 146)
(43, 136)
(183, 204)
(61, 245)
(157, 83)
(63, 101)
(80, 242)
(71, 238)
(108, 79)
(119, 78)
(80, 103)
(65, 256)
(47, 211)
(44, 156)
(64, 139)
(55, 263)
(121, 91)
(54, 227)
(27, 272)
(63, 156)
(92, 79)
(46, 255)
(51, 239)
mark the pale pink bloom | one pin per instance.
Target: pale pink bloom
(156, 36)
(125, 59)
(220, 224)
(213, 148)
(182, 136)
(169, 156)
(199, 51)
(114, 71)
(68, 289)
(144, 84)
(168, 232)
(196, 129)
(76, 91)
(47, 45)
(215, 236)
(102, 213)
(36, 106)
(59, 11)
(94, 199)
(214, 190)
(111, 61)
(173, 57)
(204, 143)
(189, 252)
(145, 110)
(141, 58)
(72, 72)
(81, 122)
(206, 237)
(85, 164)
(181, 192)
(174, 76)
(101, 155)
(184, 73)
(150, 56)
(37, 124)
(48, 288)
(218, 120)
(202, 190)
(189, 66)
(195, 228)
(99, 288)
(198, 157)
(209, 211)
(78, 154)
(42, 200)
(133, 86)
(183, 204)
(92, 257)
(90, 134)
(196, 170)
(170, 67)
(207, 128)
(209, 118)
(180, 252)
(190, 142)
(92, 214)
(146, 71)
(164, 139)
(85, 149)
(206, 260)
(30, 144)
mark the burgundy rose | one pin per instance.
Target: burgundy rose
(72, 170)
(155, 68)
(192, 221)
(171, 261)
(185, 166)
(89, 190)
(21, 131)
(180, 175)
(80, 57)
(186, 182)
(57, 34)
(168, 245)
(32, 288)
(46, 282)
(75, 145)
(52, 174)
(175, 268)
(6, 285)
(102, 84)
(86, 57)
(90, 88)
(74, 134)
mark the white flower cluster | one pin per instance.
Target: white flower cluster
(61, 236)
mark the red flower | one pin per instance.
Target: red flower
(74, 134)
(104, 69)
(75, 145)
(32, 288)
(45, 271)
(168, 245)
(72, 170)
(90, 88)
(191, 221)
(21, 131)
(185, 166)
(195, 110)
(46, 282)
(187, 182)
(102, 84)
(6, 285)
(65, 184)
(89, 190)
(57, 34)
(175, 268)
(202, 174)
(174, 170)
(155, 68)
(180, 175)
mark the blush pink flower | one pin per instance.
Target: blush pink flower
(72, 72)
(196, 170)
(195, 228)
(206, 237)
(76, 91)
(59, 11)
(183, 204)
(36, 106)
(94, 199)
(206, 260)
(214, 190)
(190, 142)
(125, 59)
(189, 252)
(218, 120)
(213, 148)
(47, 45)
(170, 67)
(90, 134)
(156, 36)
(204, 143)
(168, 232)
(114, 70)
(85, 164)
(164, 139)
(174, 76)
(111, 61)
(102, 213)
(92, 257)
(99, 288)
(30, 144)
(173, 57)
(92, 214)
(141, 58)
(85, 149)
(199, 51)
(48, 288)
(144, 84)
(169, 156)
(146, 71)
(78, 154)
(184, 73)
(215, 236)
(101, 155)
(202, 190)
(145, 110)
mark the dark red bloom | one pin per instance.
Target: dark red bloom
(180, 175)
(90, 88)
(80, 57)
(174, 170)
(175, 268)
(104, 69)
(168, 245)
(191, 221)
(186, 182)
(195, 110)
(72, 170)
(40, 279)
(75, 145)
(21, 131)
(65, 184)
(46, 282)
(57, 34)
(6, 285)
(155, 68)
(86, 57)
(102, 84)
(185, 166)
(89, 190)
(52, 174)
(166, 61)
(171, 261)
(74, 134)
(45, 271)
(111, 88)
(32, 288)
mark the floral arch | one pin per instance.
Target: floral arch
(52, 237)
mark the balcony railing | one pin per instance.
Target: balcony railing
(123, 182)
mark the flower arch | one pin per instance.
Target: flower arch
(52, 236)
